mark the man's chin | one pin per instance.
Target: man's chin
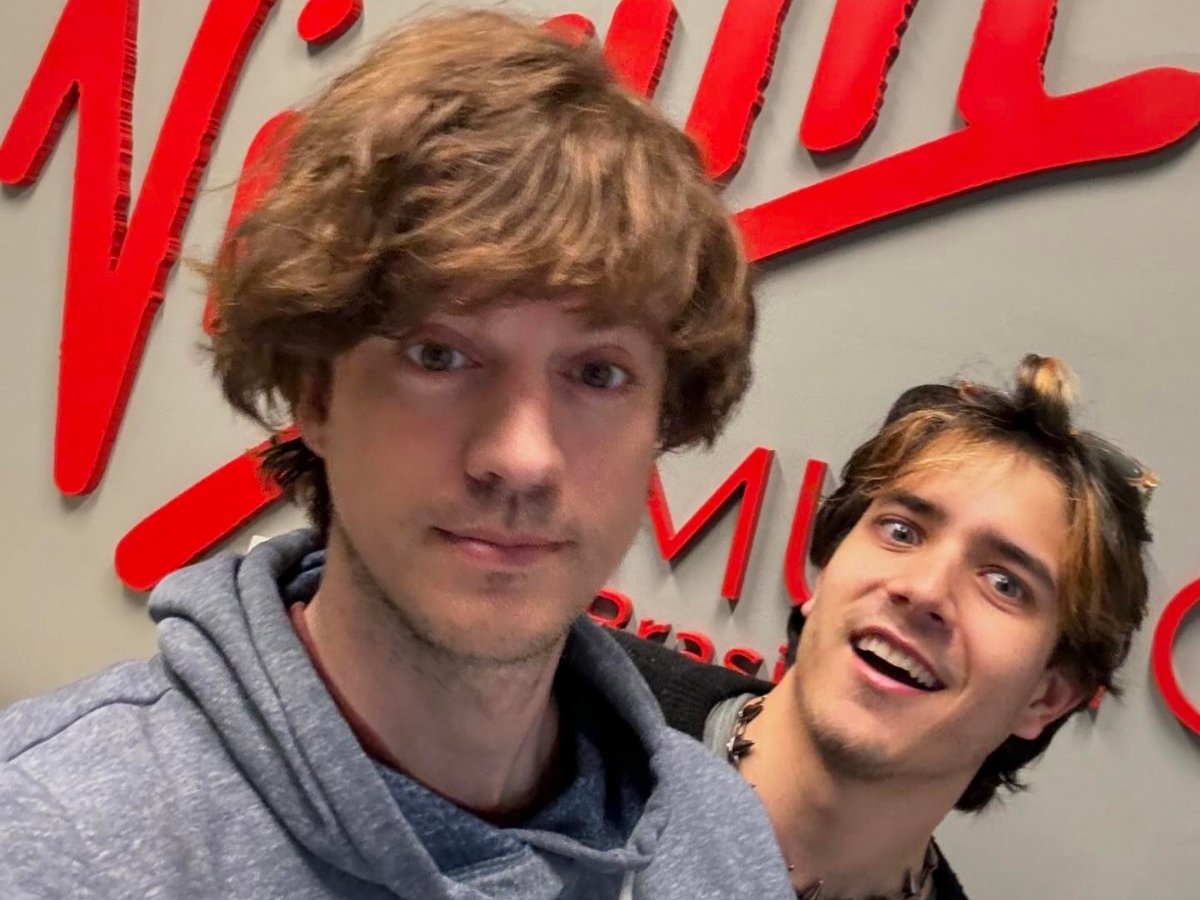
(854, 758)
(493, 644)
(849, 746)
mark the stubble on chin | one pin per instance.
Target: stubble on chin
(845, 758)
(417, 638)
(842, 754)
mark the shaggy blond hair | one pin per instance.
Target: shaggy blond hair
(470, 159)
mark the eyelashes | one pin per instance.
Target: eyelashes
(435, 356)
(439, 356)
(603, 375)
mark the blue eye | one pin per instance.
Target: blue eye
(602, 375)
(1005, 585)
(900, 532)
(436, 357)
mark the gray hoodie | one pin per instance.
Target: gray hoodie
(221, 768)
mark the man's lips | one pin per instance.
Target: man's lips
(504, 549)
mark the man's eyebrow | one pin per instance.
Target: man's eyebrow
(1014, 553)
(916, 505)
(605, 327)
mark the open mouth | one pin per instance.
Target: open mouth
(895, 663)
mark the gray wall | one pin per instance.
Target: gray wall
(1100, 269)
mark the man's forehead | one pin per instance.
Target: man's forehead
(950, 467)
(593, 314)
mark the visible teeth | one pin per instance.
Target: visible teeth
(897, 657)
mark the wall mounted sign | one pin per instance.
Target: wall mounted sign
(121, 248)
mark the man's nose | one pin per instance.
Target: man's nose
(925, 585)
(514, 446)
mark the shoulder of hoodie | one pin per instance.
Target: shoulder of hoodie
(708, 781)
(67, 717)
(718, 828)
(93, 711)
(51, 748)
(716, 821)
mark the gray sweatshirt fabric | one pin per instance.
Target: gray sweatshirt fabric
(221, 768)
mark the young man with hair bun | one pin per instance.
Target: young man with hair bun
(981, 576)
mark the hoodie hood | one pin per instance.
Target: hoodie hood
(224, 632)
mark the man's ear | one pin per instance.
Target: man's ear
(1057, 693)
(312, 410)
(807, 606)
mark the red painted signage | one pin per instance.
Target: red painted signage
(1186, 602)
(122, 249)
(750, 480)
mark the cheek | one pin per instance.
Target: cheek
(607, 445)
(386, 413)
(822, 634)
(607, 481)
(836, 588)
(616, 483)
(379, 450)
(1011, 655)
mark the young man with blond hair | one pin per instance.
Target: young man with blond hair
(490, 287)
(981, 576)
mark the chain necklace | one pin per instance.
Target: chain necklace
(914, 886)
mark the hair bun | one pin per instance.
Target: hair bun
(1045, 387)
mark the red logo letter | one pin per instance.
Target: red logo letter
(1161, 650)
(118, 263)
(748, 479)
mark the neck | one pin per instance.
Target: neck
(860, 837)
(483, 736)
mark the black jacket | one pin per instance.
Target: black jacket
(687, 691)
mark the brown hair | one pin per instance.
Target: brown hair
(1103, 593)
(475, 158)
